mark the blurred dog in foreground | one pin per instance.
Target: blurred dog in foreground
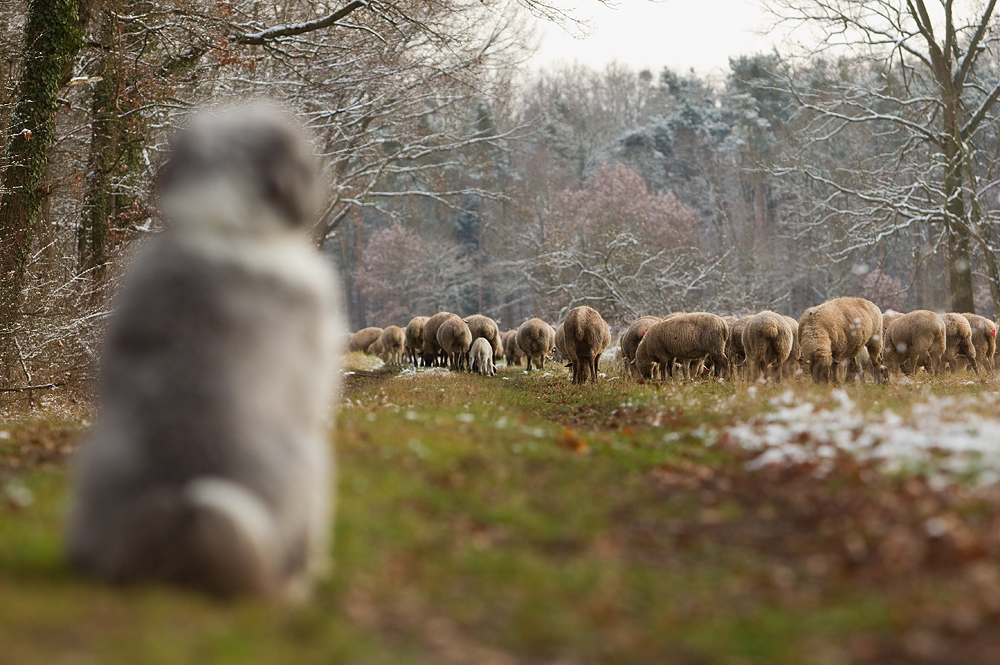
(211, 465)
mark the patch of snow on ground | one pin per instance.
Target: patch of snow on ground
(942, 433)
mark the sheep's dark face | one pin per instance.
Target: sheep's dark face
(821, 369)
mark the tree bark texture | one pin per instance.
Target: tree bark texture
(52, 35)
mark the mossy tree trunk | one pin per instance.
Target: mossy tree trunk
(99, 201)
(53, 34)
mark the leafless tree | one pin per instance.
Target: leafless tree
(925, 92)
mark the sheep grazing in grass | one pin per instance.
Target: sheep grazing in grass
(632, 336)
(835, 332)
(364, 339)
(984, 339)
(959, 343)
(735, 352)
(888, 316)
(915, 339)
(560, 344)
(481, 357)
(511, 351)
(767, 342)
(587, 335)
(536, 339)
(487, 328)
(390, 345)
(431, 351)
(558, 353)
(455, 340)
(414, 338)
(683, 337)
(789, 367)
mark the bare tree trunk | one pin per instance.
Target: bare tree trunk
(99, 206)
(959, 260)
(52, 35)
(359, 262)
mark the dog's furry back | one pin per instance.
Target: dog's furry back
(210, 465)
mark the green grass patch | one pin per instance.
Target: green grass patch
(520, 518)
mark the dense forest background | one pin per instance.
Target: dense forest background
(460, 179)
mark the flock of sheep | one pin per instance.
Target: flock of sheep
(843, 338)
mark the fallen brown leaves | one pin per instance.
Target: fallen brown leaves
(38, 442)
(934, 552)
(570, 440)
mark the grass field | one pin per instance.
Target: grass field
(521, 519)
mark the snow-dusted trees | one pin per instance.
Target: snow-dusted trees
(52, 36)
(616, 246)
(386, 86)
(924, 85)
(402, 275)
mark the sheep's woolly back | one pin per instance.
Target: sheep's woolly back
(587, 335)
(415, 332)
(919, 336)
(957, 326)
(634, 334)
(767, 340)
(511, 351)
(536, 338)
(984, 337)
(364, 338)
(734, 345)
(959, 340)
(687, 337)
(836, 331)
(454, 336)
(888, 316)
(392, 337)
(796, 352)
(391, 343)
(431, 346)
(485, 327)
(839, 328)
(481, 357)
(561, 340)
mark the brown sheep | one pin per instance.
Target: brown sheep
(487, 328)
(455, 339)
(914, 339)
(683, 337)
(390, 345)
(431, 351)
(959, 342)
(792, 363)
(888, 316)
(511, 351)
(835, 331)
(560, 343)
(767, 342)
(734, 346)
(587, 335)
(363, 339)
(481, 357)
(536, 339)
(415, 337)
(632, 336)
(984, 338)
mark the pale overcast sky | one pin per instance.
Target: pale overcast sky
(680, 34)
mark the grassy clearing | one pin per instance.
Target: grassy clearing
(523, 519)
